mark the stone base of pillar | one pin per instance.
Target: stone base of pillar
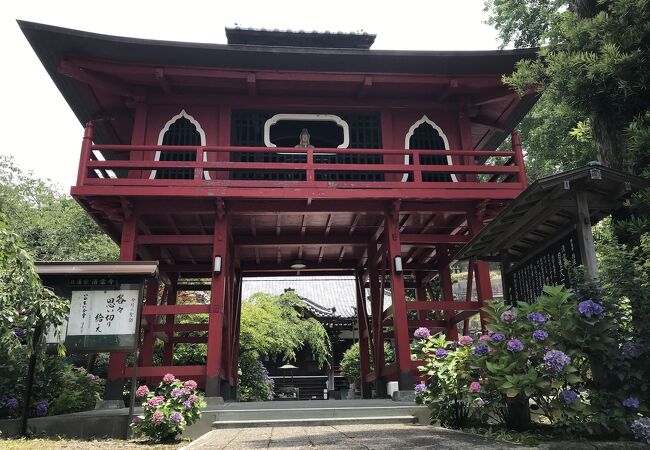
(113, 390)
(213, 386)
(404, 396)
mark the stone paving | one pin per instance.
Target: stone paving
(339, 437)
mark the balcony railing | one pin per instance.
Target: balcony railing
(213, 166)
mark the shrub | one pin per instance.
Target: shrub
(548, 353)
(351, 365)
(254, 382)
(168, 410)
(79, 391)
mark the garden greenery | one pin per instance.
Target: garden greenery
(545, 354)
(168, 410)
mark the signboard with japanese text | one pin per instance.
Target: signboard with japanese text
(103, 320)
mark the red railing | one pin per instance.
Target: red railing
(133, 165)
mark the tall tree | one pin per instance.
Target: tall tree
(50, 223)
(594, 60)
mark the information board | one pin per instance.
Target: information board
(549, 267)
(103, 320)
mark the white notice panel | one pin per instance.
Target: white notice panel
(97, 313)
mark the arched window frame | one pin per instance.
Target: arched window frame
(407, 143)
(165, 129)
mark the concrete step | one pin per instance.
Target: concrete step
(288, 413)
(311, 422)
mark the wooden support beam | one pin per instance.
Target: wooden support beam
(585, 236)
(152, 310)
(174, 239)
(159, 371)
(434, 239)
(286, 240)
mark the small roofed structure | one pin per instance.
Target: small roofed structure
(548, 225)
(286, 38)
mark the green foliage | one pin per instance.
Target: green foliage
(351, 364)
(255, 385)
(173, 406)
(50, 223)
(595, 63)
(275, 325)
(60, 385)
(78, 390)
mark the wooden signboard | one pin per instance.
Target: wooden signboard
(548, 267)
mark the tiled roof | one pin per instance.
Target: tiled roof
(320, 293)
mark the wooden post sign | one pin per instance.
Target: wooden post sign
(105, 304)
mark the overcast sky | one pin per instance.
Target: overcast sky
(42, 134)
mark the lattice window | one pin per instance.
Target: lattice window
(181, 132)
(426, 137)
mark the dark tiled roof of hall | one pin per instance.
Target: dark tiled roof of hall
(288, 38)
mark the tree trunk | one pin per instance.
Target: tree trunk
(609, 141)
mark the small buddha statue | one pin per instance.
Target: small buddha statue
(304, 139)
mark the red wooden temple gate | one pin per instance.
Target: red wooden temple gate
(188, 158)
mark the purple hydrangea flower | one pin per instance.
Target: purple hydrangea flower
(12, 403)
(176, 418)
(41, 408)
(481, 349)
(177, 392)
(540, 335)
(641, 429)
(631, 402)
(157, 418)
(515, 345)
(537, 318)
(497, 337)
(420, 387)
(568, 396)
(556, 361)
(589, 308)
(422, 333)
(441, 353)
(509, 316)
(136, 420)
(453, 345)
(20, 333)
(187, 404)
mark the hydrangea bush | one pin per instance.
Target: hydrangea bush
(542, 354)
(167, 410)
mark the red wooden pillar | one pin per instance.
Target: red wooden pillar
(170, 319)
(117, 361)
(482, 270)
(85, 154)
(376, 307)
(214, 371)
(400, 322)
(444, 272)
(235, 346)
(364, 349)
(519, 158)
(227, 334)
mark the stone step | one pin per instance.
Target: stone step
(312, 422)
(288, 413)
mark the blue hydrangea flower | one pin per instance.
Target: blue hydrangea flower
(441, 353)
(589, 308)
(631, 402)
(556, 361)
(453, 345)
(568, 396)
(641, 429)
(420, 387)
(481, 349)
(12, 403)
(20, 333)
(537, 318)
(177, 393)
(176, 418)
(631, 349)
(515, 345)
(540, 335)
(41, 408)
(497, 337)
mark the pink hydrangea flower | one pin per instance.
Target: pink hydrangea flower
(169, 378)
(155, 401)
(484, 337)
(475, 387)
(193, 398)
(136, 420)
(190, 384)
(186, 391)
(465, 340)
(142, 391)
(157, 418)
